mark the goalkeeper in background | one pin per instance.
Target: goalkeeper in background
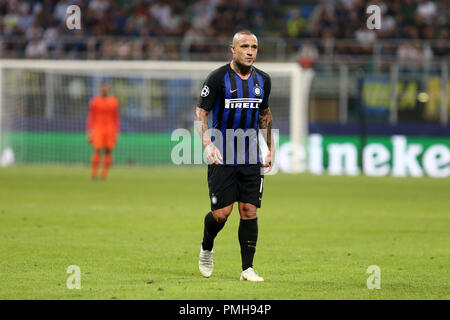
(103, 126)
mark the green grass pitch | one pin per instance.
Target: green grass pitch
(137, 236)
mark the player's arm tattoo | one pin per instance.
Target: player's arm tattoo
(265, 123)
(201, 125)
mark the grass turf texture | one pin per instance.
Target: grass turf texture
(137, 236)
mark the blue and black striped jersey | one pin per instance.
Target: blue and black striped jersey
(235, 104)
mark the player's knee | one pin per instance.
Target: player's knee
(221, 215)
(248, 211)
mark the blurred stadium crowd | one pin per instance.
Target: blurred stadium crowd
(412, 30)
(37, 29)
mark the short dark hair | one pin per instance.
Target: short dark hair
(245, 31)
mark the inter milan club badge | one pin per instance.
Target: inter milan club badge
(257, 91)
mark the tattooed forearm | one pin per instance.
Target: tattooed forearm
(265, 123)
(265, 119)
(201, 125)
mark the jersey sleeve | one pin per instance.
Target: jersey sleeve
(267, 88)
(210, 91)
(91, 116)
(116, 116)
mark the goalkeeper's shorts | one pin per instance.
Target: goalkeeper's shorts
(104, 139)
(228, 184)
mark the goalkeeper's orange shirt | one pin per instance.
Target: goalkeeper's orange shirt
(103, 122)
(104, 114)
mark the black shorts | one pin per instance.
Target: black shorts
(228, 184)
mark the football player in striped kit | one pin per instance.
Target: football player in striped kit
(237, 95)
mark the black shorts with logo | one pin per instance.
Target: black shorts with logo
(228, 184)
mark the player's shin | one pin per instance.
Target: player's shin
(106, 163)
(248, 235)
(210, 231)
(94, 163)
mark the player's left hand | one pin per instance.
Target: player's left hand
(268, 161)
(89, 137)
(213, 155)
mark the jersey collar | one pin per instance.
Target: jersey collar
(252, 70)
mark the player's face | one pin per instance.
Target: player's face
(245, 49)
(104, 89)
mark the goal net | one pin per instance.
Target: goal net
(44, 106)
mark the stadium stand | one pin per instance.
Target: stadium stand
(198, 29)
(411, 48)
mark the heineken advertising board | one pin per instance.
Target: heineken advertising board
(399, 156)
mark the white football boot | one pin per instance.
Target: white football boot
(250, 275)
(205, 262)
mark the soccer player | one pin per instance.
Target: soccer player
(237, 94)
(103, 126)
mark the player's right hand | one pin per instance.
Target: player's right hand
(212, 154)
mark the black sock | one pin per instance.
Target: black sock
(248, 235)
(210, 231)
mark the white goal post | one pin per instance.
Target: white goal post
(51, 96)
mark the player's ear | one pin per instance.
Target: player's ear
(232, 48)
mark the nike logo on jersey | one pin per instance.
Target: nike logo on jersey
(232, 91)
